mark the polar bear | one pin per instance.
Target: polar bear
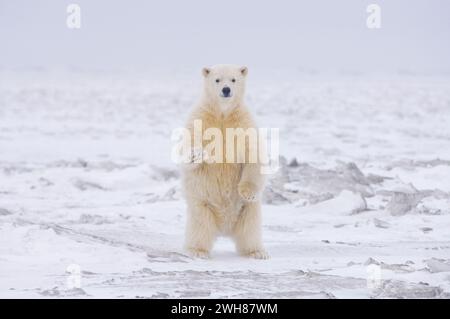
(223, 198)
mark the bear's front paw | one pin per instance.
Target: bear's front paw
(248, 191)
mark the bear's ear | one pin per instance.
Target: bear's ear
(244, 70)
(205, 72)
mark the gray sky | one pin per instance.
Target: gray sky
(316, 34)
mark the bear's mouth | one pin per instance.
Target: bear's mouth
(226, 95)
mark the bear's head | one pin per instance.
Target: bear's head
(224, 85)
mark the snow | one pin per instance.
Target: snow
(90, 202)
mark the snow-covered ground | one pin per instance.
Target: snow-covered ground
(90, 202)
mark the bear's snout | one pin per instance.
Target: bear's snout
(226, 91)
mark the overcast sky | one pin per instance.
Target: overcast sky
(315, 34)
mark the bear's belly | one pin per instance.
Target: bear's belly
(216, 185)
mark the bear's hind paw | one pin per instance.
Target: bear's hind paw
(198, 253)
(259, 254)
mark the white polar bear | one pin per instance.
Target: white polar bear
(223, 198)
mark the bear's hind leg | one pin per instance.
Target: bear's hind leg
(201, 229)
(247, 232)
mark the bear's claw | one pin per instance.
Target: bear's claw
(248, 191)
(196, 156)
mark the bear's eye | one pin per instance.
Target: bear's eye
(217, 80)
(233, 80)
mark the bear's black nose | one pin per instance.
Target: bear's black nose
(226, 91)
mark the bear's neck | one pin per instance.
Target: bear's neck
(223, 110)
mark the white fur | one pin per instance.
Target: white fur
(223, 198)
